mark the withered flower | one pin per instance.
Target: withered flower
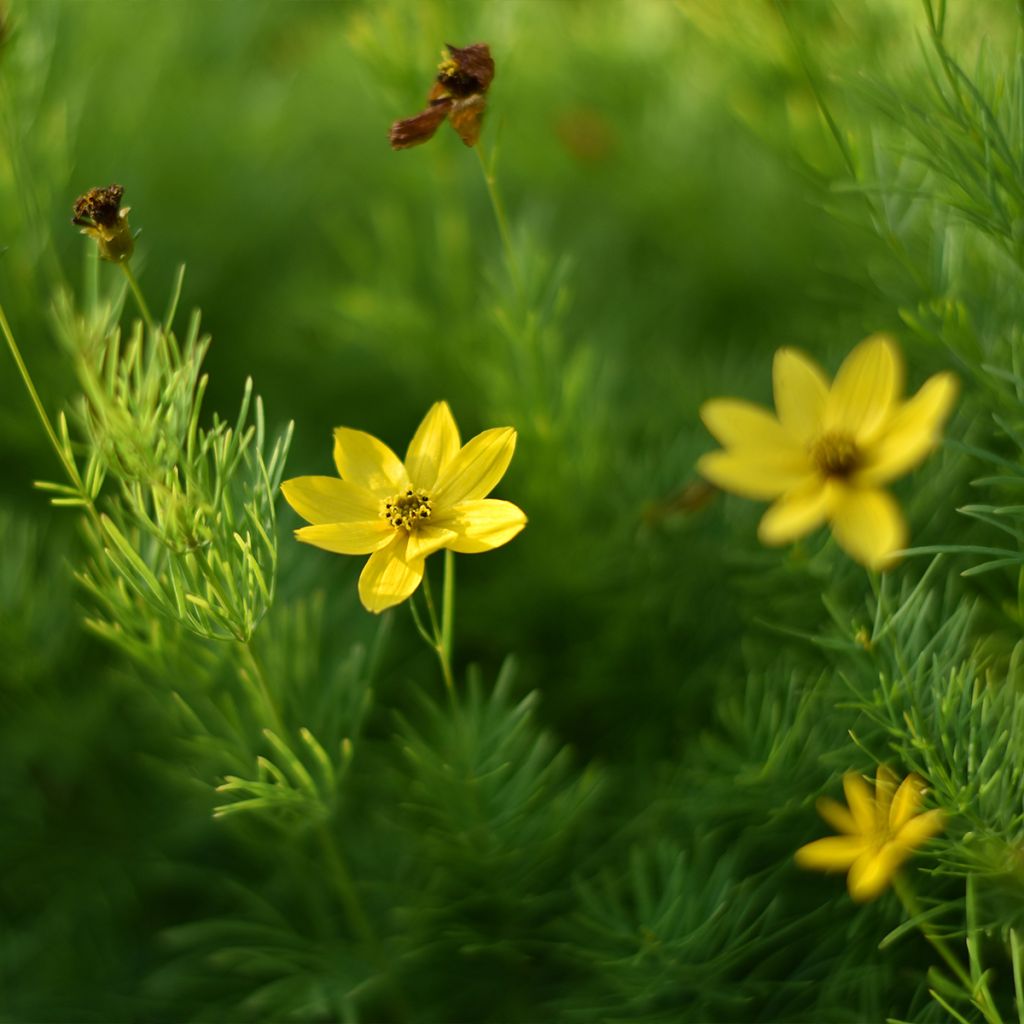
(99, 214)
(459, 94)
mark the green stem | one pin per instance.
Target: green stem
(259, 682)
(69, 467)
(438, 642)
(448, 603)
(498, 206)
(140, 299)
(360, 924)
(913, 909)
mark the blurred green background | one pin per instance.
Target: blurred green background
(668, 181)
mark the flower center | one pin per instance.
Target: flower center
(835, 454)
(404, 511)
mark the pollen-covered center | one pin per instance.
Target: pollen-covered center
(836, 454)
(404, 511)
(457, 81)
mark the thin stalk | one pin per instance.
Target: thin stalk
(255, 674)
(913, 909)
(498, 206)
(438, 638)
(69, 466)
(448, 603)
(140, 299)
(348, 896)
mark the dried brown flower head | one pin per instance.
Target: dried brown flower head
(100, 215)
(458, 94)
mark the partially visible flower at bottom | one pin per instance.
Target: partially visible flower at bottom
(398, 512)
(100, 216)
(879, 832)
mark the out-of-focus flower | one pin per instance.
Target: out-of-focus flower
(828, 450)
(459, 94)
(399, 513)
(879, 832)
(100, 215)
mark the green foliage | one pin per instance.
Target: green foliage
(230, 794)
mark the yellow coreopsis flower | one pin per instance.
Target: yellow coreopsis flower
(879, 832)
(399, 513)
(828, 450)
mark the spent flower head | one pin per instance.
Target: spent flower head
(458, 94)
(399, 512)
(100, 216)
(829, 449)
(880, 831)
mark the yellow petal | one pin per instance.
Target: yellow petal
(425, 540)
(905, 803)
(866, 389)
(801, 391)
(873, 871)
(433, 446)
(797, 512)
(475, 471)
(919, 829)
(860, 802)
(755, 473)
(912, 432)
(326, 499)
(837, 816)
(347, 538)
(362, 459)
(834, 853)
(868, 526)
(735, 423)
(885, 786)
(388, 578)
(483, 525)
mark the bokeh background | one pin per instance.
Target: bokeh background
(676, 211)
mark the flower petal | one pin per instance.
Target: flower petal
(362, 459)
(434, 445)
(755, 473)
(735, 423)
(483, 524)
(347, 538)
(868, 525)
(425, 540)
(865, 390)
(475, 471)
(837, 816)
(834, 853)
(912, 432)
(873, 871)
(801, 391)
(860, 802)
(919, 829)
(326, 499)
(797, 512)
(388, 578)
(905, 803)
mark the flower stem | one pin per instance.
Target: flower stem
(69, 467)
(498, 206)
(979, 995)
(442, 648)
(140, 299)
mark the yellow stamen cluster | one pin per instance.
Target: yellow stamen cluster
(835, 454)
(447, 69)
(404, 511)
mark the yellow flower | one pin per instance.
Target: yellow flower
(828, 450)
(880, 832)
(398, 513)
